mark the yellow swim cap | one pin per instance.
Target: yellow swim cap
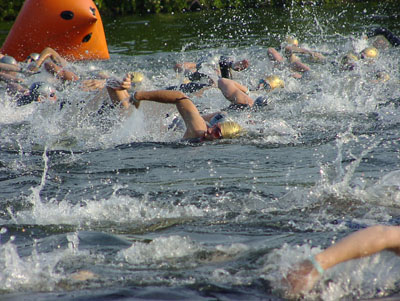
(382, 76)
(349, 58)
(136, 77)
(230, 129)
(292, 41)
(369, 52)
(274, 82)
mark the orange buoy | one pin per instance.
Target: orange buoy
(71, 27)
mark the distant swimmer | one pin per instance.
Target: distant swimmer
(197, 127)
(387, 34)
(291, 51)
(350, 60)
(302, 277)
(37, 92)
(238, 94)
(204, 74)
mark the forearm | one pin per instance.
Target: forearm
(9, 67)
(275, 55)
(9, 78)
(360, 244)
(162, 96)
(119, 97)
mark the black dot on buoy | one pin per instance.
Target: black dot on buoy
(67, 15)
(93, 10)
(87, 38)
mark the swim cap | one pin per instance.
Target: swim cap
(261, 101)
(382, 76)
(350, 57)
(41, 89)
(136, 77)
(230, 129)
(275, 81)
(8, 60)
(369, 52)
(292, 41)
(33, 57)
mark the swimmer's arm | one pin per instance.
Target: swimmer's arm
(9, 67)
(186, 66)
(119, 94)
(60, 72)
(295, 49)
(235, 92)
(195, 124)
(8, 78)
(297, 65)
(93, 84)
(44, 55)
(359, 244)
(274, 55)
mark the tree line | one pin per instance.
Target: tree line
(9, 9)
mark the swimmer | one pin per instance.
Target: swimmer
(238, 94)
(351, 59)
(294, 62)
(38, 92)
(197, 127)
(387, 34)
(302, 277)
(53, 63)
(222, 67)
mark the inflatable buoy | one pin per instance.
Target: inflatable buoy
(71, 27)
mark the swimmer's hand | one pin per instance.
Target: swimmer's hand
(93, 84)
(116, 84)
(241, 65)
(301, 278)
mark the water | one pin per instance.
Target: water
(153, 218)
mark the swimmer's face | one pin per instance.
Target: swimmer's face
(213, 133)
(51, 96)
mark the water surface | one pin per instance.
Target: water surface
(155, 218)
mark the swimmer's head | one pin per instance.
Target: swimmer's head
(380, 42)
(33, 57)
(291, 40)
(223, 130)
(275, 82)
(382, 76)
(230, 129)
(369, 53)
(271, 82)
(136, 77)
(39, 91)
(350, 57)
(8, 60)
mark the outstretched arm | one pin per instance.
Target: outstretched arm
(316, 56)
(44, 55)
(60, 72)
(195, 124)
(359, 244)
